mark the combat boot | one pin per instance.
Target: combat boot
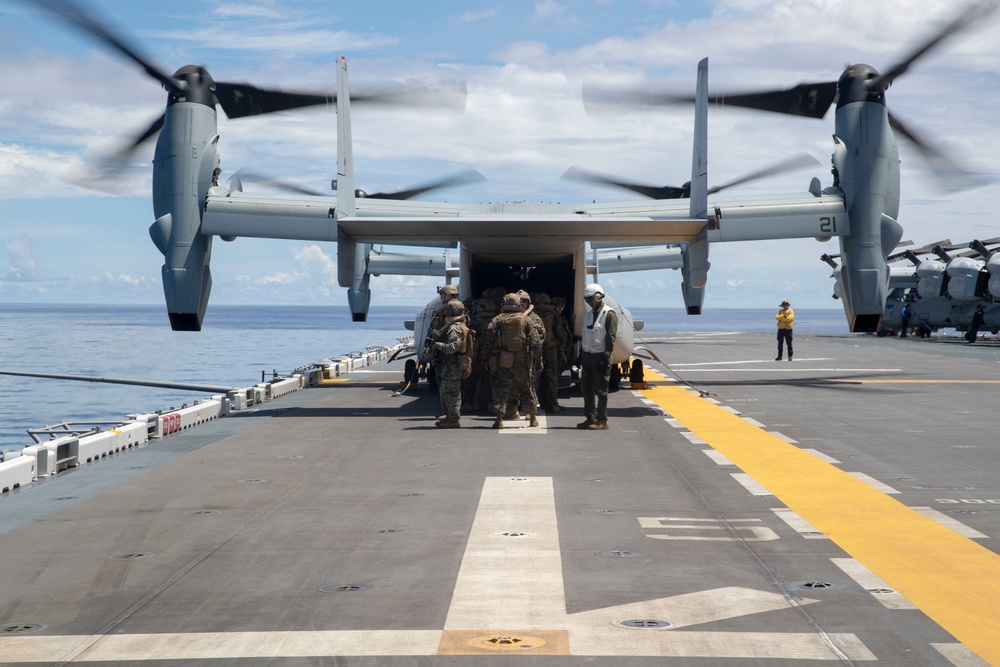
(448, 423)
(587, 423)
(499, 420)
(599, 425)
(533, 416)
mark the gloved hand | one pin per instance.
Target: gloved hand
(438, 347)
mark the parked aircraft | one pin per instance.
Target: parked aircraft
(941, 284)
(521, 244)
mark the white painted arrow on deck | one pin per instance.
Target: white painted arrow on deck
(515, 582)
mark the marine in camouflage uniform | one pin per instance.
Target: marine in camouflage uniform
(534, 321)
(477, 392)
(518, 376)
(447, 348)
(563, 322)
(553, 353)
(448, 293)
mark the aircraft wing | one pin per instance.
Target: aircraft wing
(314, 218)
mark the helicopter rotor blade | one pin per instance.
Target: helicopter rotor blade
(651, 191)
(973, 13)
(468, 176)
(791, 164)
(949, 174)
(684, 191)
(812, 100)
(88, 22)
(103, 174)
(239, 100)
(279, 184)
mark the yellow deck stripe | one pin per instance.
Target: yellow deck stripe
(953, 580)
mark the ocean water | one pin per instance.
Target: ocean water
(236, 345)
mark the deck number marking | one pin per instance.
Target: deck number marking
(707, 530)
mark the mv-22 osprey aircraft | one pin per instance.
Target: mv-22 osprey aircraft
(521, 245)
(942, 284)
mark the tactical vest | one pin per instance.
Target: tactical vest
(594, 333)
(510, 332)
(548, 315)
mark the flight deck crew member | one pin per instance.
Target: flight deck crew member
(447, 348)
(599, 332)
(786, 321)
(977, 321)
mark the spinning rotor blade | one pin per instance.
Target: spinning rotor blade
(651, 191)
(239, 100)
(275, 183)
(103, 175)
(684, 191)
(72, 13)
(806, 99)
(804, 160)
(468, 176)
(951, 176)
(974, 12)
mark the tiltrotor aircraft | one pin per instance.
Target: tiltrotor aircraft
(942, 284)
(521, 245)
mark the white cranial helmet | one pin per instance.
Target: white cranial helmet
(592, 289)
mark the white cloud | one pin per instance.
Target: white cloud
(23, 266)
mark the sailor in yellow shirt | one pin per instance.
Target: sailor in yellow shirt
(786, 320)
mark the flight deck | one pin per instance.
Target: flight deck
(839, 509)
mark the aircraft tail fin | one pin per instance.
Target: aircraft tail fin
(345, 150)
(352, 258)
(696, 264)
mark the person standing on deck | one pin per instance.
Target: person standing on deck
(599, 332)
(448, 346)
(786, 322)
(510, 346)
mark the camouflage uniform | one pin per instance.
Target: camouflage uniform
(553, 353)
(516, 397)
(477, 392)
(516, 377)
(566, 334)
(448, 293)
(447, 348)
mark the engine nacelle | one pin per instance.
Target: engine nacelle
(932, 279)
(967, 279)
(184, 168)
(866, 162)
(993, 268)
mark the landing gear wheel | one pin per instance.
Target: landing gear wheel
(410, 372)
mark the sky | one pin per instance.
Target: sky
(65, 101)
